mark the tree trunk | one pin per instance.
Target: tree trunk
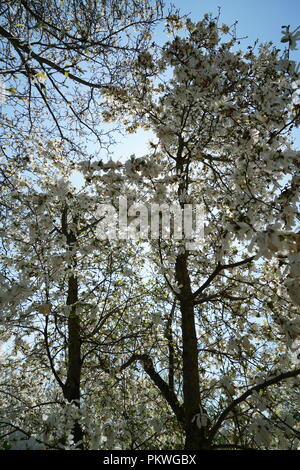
(195, 437)
(72, 385)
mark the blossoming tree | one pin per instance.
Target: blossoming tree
(153, 342)
(223, 120)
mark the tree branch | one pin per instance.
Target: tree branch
(245, 395)
(220, 267)
(166, 391)
(44, 61)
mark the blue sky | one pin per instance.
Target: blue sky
(257, 19)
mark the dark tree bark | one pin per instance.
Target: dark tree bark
(71, 388)
(195, 436)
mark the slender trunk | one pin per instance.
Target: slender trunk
(72, 385)
(195, 436)
(190, 354)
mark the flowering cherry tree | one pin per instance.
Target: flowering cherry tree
(223, 123)
(152, 343)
